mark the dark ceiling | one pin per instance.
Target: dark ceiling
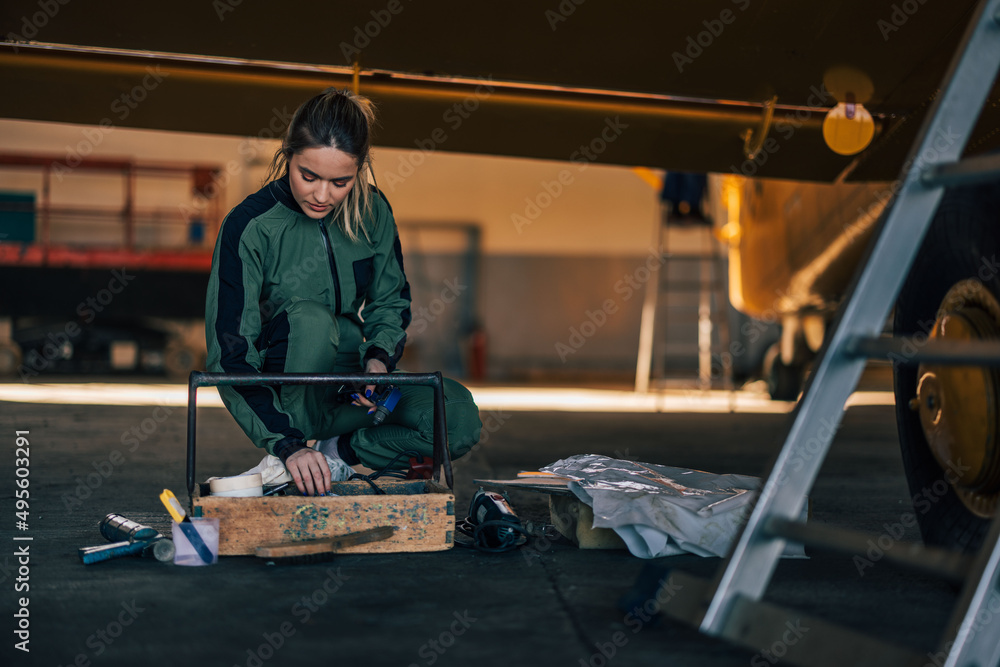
(628, 61)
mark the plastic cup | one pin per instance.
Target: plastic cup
(185, 553)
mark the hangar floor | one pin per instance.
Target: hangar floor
(543, 605)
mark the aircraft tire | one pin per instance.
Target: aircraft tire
(784, 382)
(963, 240)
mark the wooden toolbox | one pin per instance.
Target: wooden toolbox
(422, 511)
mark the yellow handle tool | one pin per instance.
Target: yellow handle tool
(178, 514)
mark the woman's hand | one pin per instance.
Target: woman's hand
(373, 366)
(310, 471)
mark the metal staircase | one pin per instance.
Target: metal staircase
(684, 332)
(731, 606)
(693, 308)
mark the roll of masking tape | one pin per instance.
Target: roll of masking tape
(242, 486)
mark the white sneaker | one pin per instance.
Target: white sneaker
(328, 447)
(272, 471)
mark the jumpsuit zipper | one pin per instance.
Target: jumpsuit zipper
(333, 265)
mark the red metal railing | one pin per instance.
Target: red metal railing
(204, 182)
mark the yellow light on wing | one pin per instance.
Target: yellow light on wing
(848, 131)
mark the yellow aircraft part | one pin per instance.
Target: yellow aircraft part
(958, 404)
(793, 246)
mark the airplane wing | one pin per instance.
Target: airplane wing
(677, 83)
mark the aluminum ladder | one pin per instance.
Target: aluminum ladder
(731, 606)
(691, 275)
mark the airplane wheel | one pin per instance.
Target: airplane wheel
(784, 382)
(948, 417)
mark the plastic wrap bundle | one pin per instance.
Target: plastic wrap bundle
(661, 510)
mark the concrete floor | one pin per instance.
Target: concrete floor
(543, 605)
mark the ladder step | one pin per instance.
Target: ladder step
(868, 549)
(779, 635)
(802, 639)
(682, 596)
(971, 171)
(976, 353)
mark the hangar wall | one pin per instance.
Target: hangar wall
(560, 242)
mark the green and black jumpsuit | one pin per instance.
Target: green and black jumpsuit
(292, 294)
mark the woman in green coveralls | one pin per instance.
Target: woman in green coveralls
(307, 277)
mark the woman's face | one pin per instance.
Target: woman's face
(321, 178)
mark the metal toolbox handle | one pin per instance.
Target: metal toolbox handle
(442, 456)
